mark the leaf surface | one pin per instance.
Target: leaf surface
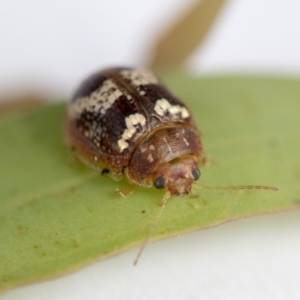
(57, 215)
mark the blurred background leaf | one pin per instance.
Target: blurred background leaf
(176, 45)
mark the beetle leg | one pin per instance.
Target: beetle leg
(126, 192)
(193, 194)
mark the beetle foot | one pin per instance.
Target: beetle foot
(125, 192)
(193, 194)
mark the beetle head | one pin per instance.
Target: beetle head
(177, 175)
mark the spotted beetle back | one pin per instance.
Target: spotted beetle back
(124, 121)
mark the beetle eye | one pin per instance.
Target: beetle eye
(160, 182)
(196, 173)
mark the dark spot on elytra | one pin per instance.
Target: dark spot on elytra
(90, 85)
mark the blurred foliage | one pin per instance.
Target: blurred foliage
(175, 45)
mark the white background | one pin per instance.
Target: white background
(50, 46)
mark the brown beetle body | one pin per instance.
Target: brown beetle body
(124, 121)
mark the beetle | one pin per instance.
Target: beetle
(126, 122)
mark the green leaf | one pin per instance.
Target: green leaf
(57, 215)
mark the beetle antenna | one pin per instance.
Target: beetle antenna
(239, 187)
(145, 242)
